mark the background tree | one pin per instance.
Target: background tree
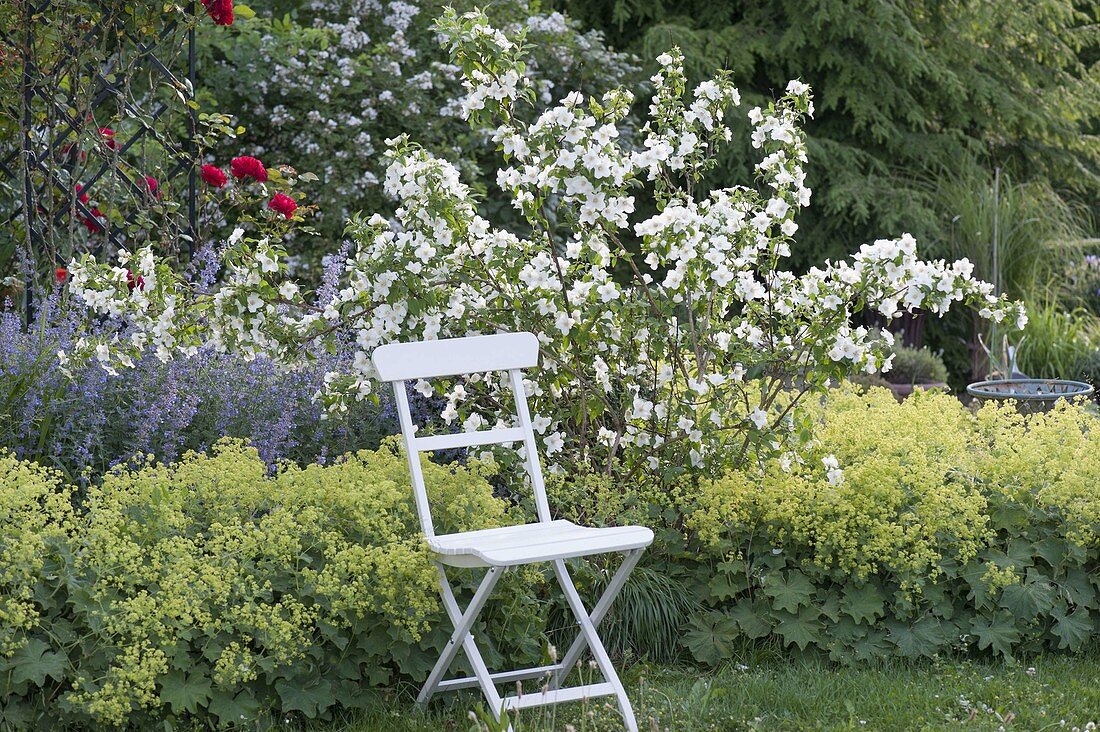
(904, 87)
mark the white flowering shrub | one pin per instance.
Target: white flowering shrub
(325, 87)
(670, 340)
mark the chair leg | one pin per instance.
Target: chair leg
(618, 580)
(463, 623)
(588, 631)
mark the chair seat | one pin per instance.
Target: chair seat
(539, 542)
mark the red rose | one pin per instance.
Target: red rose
(92, 223)
(284, 204)
(246, 167)
(220, 10)
(80, 194)
(61, 274)
(108, 136)
(152, 185)
(132, 282)
(214, 175)
(69, 148)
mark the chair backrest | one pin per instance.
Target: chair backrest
(398, 363)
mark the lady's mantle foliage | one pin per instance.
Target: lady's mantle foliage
(697, 356)
(952, 531)
(207, 592)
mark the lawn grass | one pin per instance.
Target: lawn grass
(769, 693)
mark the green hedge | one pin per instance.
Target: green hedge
(207, 591)
(950, 530)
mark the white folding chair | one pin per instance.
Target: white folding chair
(500, 549)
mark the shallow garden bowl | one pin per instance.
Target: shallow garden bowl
(1031, 395)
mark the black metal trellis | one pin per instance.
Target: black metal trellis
(33, 156)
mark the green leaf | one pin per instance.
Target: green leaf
(244, 11)
(1079, 588)
(936, 596)
(1073, 630)
(309, 700)
(232, 710)
(863, 604)
(841, 637)
(1021, 552)
(979, 595)
(35, 661)
(1029, 599)
(999, 633)
(16, 713)
(922, 638)
(801, 629)
(185, 692)
(1009, 518)
(830, 606)
(709, 637)
(790, 591)
(872, 646)
(751, 619)
(1052, 550)
(729, 581)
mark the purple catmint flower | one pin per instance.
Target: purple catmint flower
(94, 420)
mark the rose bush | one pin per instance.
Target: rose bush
(693, 348)
(100, 135)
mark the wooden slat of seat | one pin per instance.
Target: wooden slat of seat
(540, 542)
(552, 532)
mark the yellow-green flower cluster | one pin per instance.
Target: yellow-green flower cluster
(907, 529)
(908, 496)
(920, 479)
(214, 571)
(35, 510)
(1047, 464)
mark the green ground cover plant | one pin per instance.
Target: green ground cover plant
(208, 590)
(944, 530)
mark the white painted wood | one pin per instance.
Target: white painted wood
(463, 622)
(500, 548)
(569, 660)
(502, 677)
(455, 356)
(539, 542)
(595, 644)
(469, 439)
(408, 436)
(559, 696)
(534, 470)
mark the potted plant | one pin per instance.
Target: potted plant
(913, 368)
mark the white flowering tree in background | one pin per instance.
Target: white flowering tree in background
(670, 341)
(326, 86)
